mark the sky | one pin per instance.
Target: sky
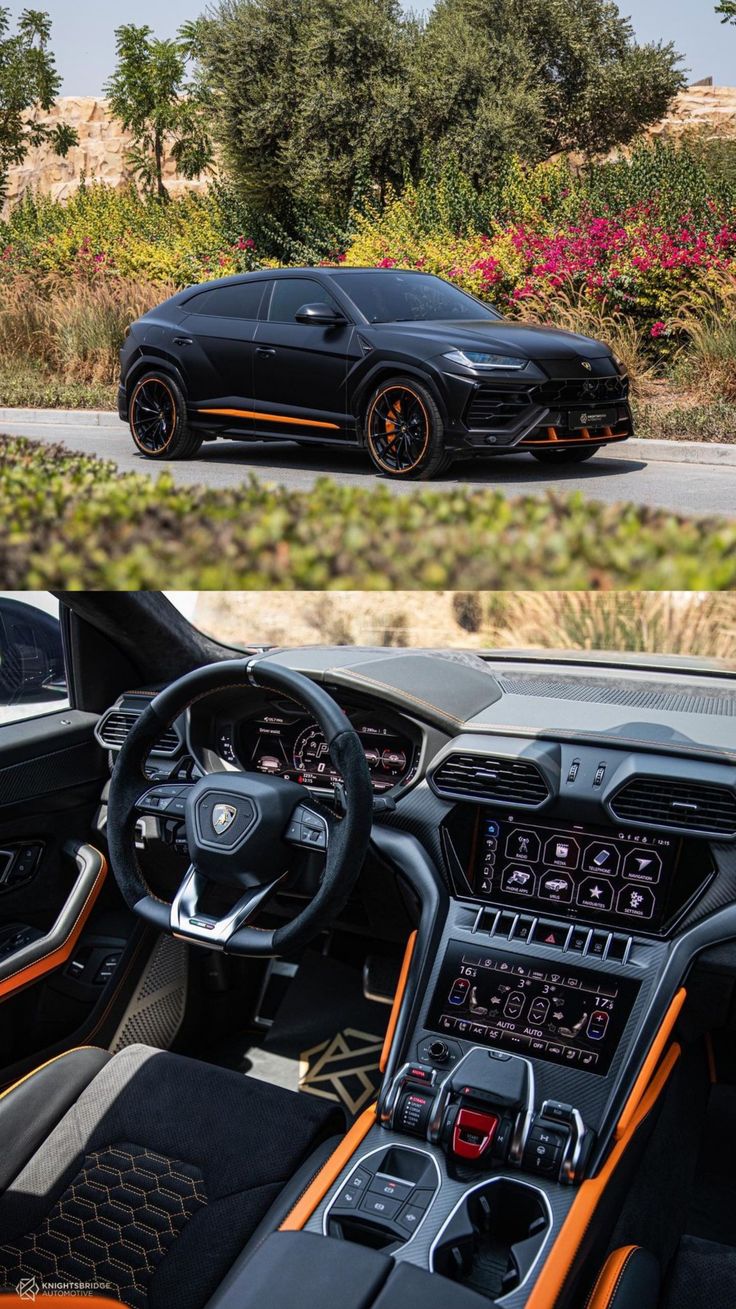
(84, 43)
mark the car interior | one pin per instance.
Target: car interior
(363, 977)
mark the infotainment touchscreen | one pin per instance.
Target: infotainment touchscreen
(615, 876)
(536, 1008)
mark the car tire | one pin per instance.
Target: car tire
(403, 430)
(571, 455)
(157, 413)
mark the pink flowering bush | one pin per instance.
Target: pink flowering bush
(631, 262)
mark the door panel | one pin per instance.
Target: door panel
(217, 345)
(300, 371)
(54, 883)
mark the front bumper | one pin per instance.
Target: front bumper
(499, 416)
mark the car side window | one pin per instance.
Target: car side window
(240, 300)
(32, 671)
(290, 293)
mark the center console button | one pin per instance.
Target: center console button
(579, 940)
(391, 1187)
(348, 1198)
(413, 1113)
(380, 1206)
(473, 1133)
(551, 934)
(360, 1180)
(411, 1217)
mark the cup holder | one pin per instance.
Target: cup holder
(493, 1238)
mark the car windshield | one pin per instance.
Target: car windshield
(395, 297)
(676, 629)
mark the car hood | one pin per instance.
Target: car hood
(527, 340)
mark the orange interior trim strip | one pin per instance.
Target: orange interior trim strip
(611, 1274)
(71, 1301)
(650, 1063)
(552, 1277)
(329, 1172)
(60, 955)
(269, 418)
(398, 997)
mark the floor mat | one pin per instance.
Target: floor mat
(326, 1038)
(712, 1211)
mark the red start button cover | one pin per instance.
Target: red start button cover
(473, 1133)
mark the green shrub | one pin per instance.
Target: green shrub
(71, 521)
(24, 384)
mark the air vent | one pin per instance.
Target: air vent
(115, 725)
(483, 777)
(688, 806)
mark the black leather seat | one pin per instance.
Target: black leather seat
(147, 1173)
(629, 1279)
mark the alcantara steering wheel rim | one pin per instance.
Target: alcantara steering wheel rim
(398, 428)
(254, 851)
(152, 415)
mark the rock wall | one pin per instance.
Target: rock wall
(100, 154)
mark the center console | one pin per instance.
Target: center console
(528, 1017)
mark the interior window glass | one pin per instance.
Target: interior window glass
(241, 300)
(32, 674)
(290, 293)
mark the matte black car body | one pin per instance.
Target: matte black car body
(312, 380)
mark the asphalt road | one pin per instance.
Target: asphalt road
(687, 488)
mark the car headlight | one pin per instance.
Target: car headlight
(618, 361)
(481, 359)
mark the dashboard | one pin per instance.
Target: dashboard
(282, 743)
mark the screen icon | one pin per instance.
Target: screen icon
(522, 844)
(636, 901)
(563, 851)
(595, 893)
(520, 881)
(601, 857)
(642, 865)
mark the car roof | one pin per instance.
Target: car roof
(259, 274)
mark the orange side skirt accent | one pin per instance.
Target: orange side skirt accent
(71, 1301)
(330, 1171)
(398, 998)
(59, 956)
(608, 1281)
(552, 1278)
(268, 418)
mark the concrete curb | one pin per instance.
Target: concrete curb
(672, 452)
(62, 417)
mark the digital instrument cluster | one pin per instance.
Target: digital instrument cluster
(616, 876)
(532, 1007)
(295, 749)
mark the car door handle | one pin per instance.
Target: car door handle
(183, 340)
(265, 351)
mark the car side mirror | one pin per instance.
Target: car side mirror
(323, 315)
(31, 656)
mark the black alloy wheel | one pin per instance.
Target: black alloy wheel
(157, 414)
(403, 429)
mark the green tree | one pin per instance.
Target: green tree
(167, 114)
(537, 77)
(727, 10)
(29, 81)
(311, 98)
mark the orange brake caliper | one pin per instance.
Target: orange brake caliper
(395, 410)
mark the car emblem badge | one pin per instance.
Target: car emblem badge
(223, 816)
(586, 365)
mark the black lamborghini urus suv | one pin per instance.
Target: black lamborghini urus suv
(401, 363)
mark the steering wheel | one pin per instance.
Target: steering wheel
(242, 829)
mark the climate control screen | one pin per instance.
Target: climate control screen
(571, 1016)
(619, 877)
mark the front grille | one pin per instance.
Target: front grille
(484, 778)
(687, 806)
(582, 391)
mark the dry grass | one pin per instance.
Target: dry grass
(74, 329)
(708, 361)
(573, 311)
(702, 624)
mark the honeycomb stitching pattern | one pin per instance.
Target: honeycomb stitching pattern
(115, 1222)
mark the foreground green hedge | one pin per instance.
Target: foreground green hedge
(71, 521)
